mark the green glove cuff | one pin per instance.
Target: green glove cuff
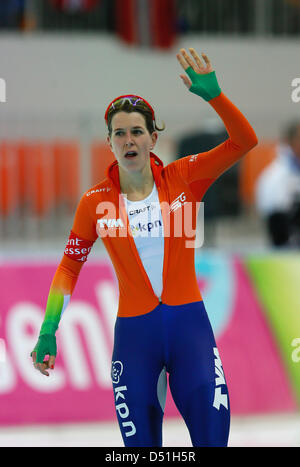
(205, 86)
(46, 345)
(48, 327)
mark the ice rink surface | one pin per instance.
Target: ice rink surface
(250, 431)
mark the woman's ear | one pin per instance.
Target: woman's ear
(109, 142)
(154, 137)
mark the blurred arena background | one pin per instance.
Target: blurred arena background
(62, 62)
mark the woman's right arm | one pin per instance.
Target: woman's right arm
(80, 242)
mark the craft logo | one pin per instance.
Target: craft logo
(2, 90)
(139, 211)
(98, 190)
(296, 92)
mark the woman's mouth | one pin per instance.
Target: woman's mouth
(130, 154)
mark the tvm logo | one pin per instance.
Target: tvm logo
(2, 90)
(220, 398)
(110, 223)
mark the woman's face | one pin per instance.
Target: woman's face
(130, 134)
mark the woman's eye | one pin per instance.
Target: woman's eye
(121, 133)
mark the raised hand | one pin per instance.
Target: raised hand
(197, 64)
(201, 79)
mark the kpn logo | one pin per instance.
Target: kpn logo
(2, 90)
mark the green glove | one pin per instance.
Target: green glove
(46, 345)
(205, 86)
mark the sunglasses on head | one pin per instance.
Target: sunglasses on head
(132, 99)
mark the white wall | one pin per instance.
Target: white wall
(53, 77)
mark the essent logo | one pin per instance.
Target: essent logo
(77, 248)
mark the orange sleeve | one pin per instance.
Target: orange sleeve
(210, 165)
(84, 224)
(81, 239)
(83, 234)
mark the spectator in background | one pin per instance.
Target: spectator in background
(11, 14)
(278, 191)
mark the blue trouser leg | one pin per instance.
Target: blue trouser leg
(180, 339)
(138, 369)
(197, 380)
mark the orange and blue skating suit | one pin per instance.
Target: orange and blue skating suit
(155, 335)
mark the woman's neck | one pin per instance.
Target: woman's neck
(136, 186)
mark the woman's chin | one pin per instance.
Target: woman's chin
(134, 164)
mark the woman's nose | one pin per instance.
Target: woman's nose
(129, 140)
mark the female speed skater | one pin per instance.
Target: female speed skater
(162, 325)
